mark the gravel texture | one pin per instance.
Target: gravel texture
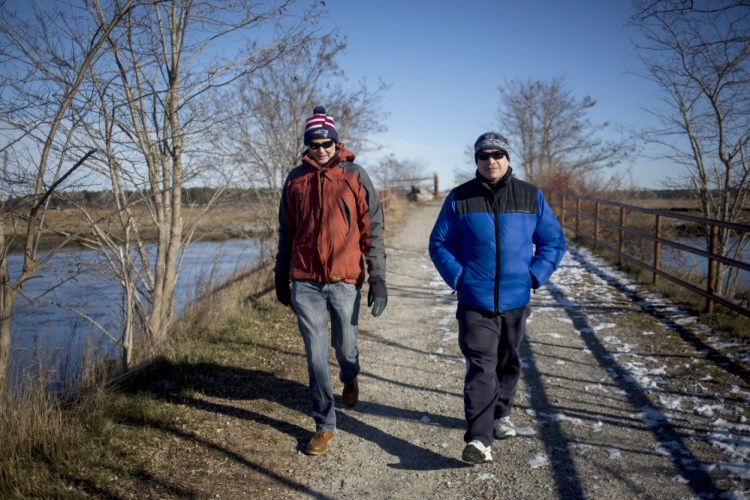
(622, 396)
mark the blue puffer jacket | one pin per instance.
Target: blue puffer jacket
(493, 244)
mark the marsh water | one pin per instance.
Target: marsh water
(52, 319)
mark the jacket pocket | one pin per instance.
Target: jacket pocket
(347, 215)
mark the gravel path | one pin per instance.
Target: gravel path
(622, 396)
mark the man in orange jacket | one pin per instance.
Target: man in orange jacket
(329, 218)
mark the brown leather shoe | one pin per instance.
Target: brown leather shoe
(350, 394)
(318, 444)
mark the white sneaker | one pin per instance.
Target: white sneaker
(504, 428)
(476, 453)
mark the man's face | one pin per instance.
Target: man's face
(322, 150)
(492, 164)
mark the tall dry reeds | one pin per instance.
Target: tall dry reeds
(33, 430)
(227, 303)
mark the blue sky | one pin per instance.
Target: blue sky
(445, 61)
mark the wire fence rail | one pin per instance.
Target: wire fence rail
(619, 227)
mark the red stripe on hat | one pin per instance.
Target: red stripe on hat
(320, 121)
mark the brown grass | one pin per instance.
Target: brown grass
(678, 204)
(218, 224)
(54, 448)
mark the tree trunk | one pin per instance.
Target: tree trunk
(7, 296)
(127, 333)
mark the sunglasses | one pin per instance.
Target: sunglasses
(495, 155)
(318, 145)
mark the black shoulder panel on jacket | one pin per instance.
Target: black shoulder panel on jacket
(521, 197)
(470, 197)
(297, 171)
(476, 197)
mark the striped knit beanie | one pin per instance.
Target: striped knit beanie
(491, 140)
(320, 126)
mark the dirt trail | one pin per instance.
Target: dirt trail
(622, 396)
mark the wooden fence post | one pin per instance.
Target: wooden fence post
(596, 223)
(621, 246)
(711, 281)
(657, 246)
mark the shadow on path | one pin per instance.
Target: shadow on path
(665, 433)
(730, 365)
(409, 455)
(178, 383)
(563, 467)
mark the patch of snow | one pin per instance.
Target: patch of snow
(539, 460)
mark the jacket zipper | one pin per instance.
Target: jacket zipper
(321, 206)
(495, 214)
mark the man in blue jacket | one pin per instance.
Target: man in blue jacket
(494, 240)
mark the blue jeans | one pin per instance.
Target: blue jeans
(313, 303)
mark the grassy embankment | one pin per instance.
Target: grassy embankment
(141, 435)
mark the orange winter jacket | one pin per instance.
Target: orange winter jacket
(329, 218)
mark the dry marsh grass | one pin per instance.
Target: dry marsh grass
(217, 224)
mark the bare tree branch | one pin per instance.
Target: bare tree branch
(698, 54)
(553, 139)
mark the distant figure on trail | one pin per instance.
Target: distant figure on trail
(494, 240)
(329, 217)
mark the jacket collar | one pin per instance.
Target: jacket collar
(342, 154)
(494, 188)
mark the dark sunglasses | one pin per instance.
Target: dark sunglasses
(318, 145)
(495, 155)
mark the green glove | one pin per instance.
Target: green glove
(377, 296)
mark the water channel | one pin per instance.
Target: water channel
(696, 265)
(47, 332)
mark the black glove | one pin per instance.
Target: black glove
(283, 289)
(377, 295)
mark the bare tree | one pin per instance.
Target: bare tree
(43, 78)
(396, 172)
(265, 116)
(122, 78)
(553, 139)
(155, 125)
(698, 54)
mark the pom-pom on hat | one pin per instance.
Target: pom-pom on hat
(491, 140)
(320, 126)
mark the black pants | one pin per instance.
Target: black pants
(490, 345)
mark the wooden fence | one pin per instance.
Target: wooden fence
(407, 183)
(386, 196)
(606, 224)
